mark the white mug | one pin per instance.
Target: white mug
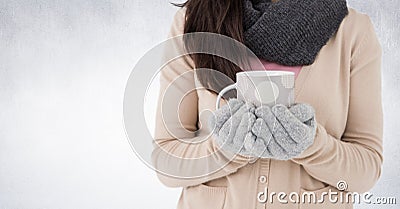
(263, 88)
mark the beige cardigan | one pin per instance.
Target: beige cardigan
(344, 87)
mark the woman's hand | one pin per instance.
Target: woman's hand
(265, 132)
(231, 126)
(286, 132)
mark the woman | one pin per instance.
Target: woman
(336, 56)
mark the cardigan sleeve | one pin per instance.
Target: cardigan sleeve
(183, 156)
(357, 157)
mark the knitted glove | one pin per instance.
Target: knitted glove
(231, 125)
(285, 132)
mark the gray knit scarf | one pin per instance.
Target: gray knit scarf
(291, 32)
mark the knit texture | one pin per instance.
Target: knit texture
(291, 32)
(262, 132)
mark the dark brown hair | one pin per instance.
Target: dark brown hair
(214, 16)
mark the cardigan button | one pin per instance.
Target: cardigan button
(263, 179)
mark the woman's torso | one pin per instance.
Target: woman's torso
(324, 85)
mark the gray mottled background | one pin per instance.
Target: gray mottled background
(63, 67)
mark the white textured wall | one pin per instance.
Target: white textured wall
(63, 68)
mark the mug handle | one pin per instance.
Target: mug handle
(222, 92)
